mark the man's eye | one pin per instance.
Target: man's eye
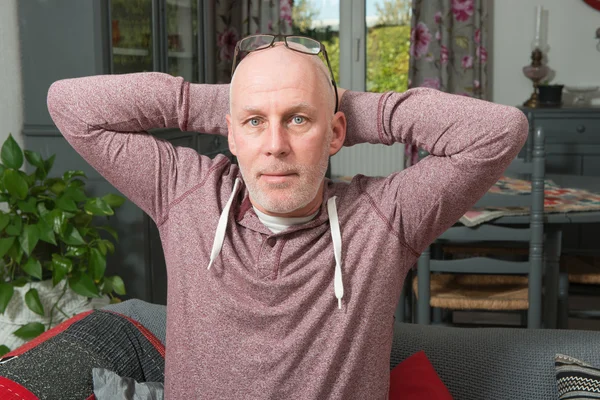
(298, 120)
(254, 122)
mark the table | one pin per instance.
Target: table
(556, 282)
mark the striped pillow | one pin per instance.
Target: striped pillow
(576, 379)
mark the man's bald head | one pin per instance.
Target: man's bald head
(282, 129)
(279, 66)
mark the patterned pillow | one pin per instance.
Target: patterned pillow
(576, 379)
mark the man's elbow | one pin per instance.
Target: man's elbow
(516, 127)
(56, 96)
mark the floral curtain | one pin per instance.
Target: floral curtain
(449, 49)
(238, 18)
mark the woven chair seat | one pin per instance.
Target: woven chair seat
(477, 292)
(582, 269)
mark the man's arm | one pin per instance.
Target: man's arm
(470, 141)
(105, 119)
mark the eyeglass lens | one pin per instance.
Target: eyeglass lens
(256, 42)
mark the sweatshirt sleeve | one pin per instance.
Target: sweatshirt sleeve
(106, 119)
(470, 141)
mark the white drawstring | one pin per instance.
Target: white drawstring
(222, 226)
(334, 224)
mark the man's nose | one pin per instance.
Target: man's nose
(277, 140)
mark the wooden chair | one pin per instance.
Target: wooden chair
(482, 282)
(580, 275)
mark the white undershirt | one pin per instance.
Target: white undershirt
(279, 224)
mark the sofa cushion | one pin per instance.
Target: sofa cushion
(110, 386)
(576, 379)
(78, 345)
(415, 378)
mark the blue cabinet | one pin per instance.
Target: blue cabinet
(572, 147)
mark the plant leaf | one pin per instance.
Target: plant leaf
(32, 299)
(102, 246)
(45, 231)
(107, 285)
(110, 230)
(113, 200)
(11, 154)
(49, 163)
(72, 237)
(15, 227)
(4, 220)
(83, 219)
(58, 187)
(97, 206)
(76, 251)
(82, 284)
(60, 267)
(66, 203)
(110, 246)
(118, 285)
(62, 262)
(16, 252)
(40, 173)
(28, 206)
(77, 183)
(42, 210)
(75, 193)
(29, 331)
(33, 267)
(30, 179)
(34, 158)
(4, 350)
(58, 220)
(15, 184)
(6, 293)
(20, 281)
(97, 264)
(5, 245)
(70, 174)
(29, 238)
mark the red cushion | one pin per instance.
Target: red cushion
(415, 378)
(10, 390)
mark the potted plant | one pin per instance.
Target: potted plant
(52, 252)
(550, 95)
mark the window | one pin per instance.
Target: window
(368, 46)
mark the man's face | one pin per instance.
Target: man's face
(280, 130)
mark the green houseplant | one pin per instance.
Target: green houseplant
(50, 231)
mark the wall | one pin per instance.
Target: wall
(572, 55)
(11, 96)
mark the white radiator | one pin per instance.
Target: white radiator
(368, 159)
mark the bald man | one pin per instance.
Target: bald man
(283, 284)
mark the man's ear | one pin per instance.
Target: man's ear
(338, 127)
(230, 139)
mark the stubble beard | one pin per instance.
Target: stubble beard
(287, 197)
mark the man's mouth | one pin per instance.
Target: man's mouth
(277, 177)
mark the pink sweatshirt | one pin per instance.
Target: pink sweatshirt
(263, 321)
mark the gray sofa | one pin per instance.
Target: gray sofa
(474, 363)
(495, 363)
